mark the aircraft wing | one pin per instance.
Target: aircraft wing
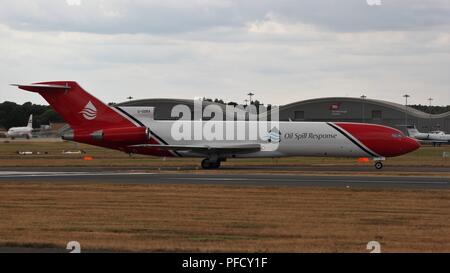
(206, 149)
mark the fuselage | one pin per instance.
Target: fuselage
(437, 136)
(19, 132)
(433, 136)
(288, 138)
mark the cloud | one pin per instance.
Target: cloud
(170, 16)
(74, 2)
(282, 50)
(113, 16)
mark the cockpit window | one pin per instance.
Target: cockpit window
(397, 135)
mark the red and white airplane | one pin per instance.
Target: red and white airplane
(133, 130)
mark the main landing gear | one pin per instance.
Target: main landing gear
(379, 162)
(210, 164)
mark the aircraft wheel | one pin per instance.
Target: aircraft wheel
(378, 165)
(207, 164)
(216, 165)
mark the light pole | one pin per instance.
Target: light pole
(406, 96)
(250, 95)
(363, 97)
(430, 100)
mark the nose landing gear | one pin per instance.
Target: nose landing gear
(378, 165)
(379, 162)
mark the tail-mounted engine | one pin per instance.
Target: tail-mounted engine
(128, 135)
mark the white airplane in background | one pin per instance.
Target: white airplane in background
(435, 137)
(14, 132)
(133, 130)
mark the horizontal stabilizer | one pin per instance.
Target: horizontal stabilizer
(42, 87)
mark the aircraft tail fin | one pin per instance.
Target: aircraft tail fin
(412, 130)
(80, 110)
(30, 121)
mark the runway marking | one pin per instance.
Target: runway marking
(65, 174)
(314, 180)
(274, 179)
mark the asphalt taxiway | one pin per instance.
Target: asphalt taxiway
(237, 179)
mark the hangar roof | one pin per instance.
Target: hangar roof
(149, 102)
(392, 105)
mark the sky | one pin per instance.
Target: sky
(282, 51)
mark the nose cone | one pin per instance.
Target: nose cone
(382, 140)
(398, 147)
(410, 144)
(392, 147)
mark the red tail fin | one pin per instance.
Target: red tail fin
(80, 109)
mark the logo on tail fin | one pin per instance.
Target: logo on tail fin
(89, 111)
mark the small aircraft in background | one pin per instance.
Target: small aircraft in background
(437, 138)
(14, 132)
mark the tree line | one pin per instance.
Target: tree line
(16, 115)
(433, 110)
(256, 103)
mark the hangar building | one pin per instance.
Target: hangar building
(364, 110)
(345, 109)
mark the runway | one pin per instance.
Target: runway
(235, 179)
(319, 168)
